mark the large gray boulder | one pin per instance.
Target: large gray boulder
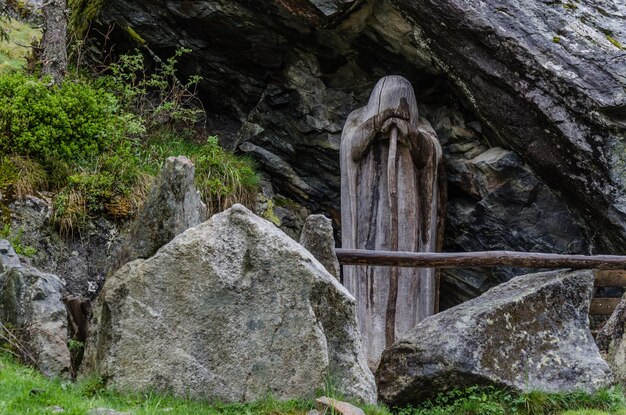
(531, 333)
(173, 206)
(32, 310)
(232, 309)
(611, 340)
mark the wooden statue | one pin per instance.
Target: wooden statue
(392, 199)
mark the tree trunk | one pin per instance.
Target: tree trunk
(54, 41)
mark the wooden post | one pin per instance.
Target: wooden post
(479, 259)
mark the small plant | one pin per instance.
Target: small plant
(75, 345)
(15, 239)
(158, 96)
(614, 42)
(269, 213)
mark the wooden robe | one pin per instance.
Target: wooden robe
(367, 215)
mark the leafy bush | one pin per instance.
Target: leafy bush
(98, 144)
(70, 122)
(158, 96)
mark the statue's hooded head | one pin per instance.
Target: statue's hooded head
(387, 94)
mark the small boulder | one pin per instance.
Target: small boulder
(334, 406)
(173, 206)
(317, 237)
(232, 309)
(31, 305)
(612, 342)
(531, 333)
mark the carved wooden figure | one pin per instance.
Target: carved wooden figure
(392, 198)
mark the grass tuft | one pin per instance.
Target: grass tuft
(15, 50)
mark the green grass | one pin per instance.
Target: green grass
(13, 53)
(491, 401)
(25, 391)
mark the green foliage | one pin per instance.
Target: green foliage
(223, 178)
(75, 345)
(269, 213)
(82, 12)
(159, 96)
(113, 183)
(477, 400)
(70, 122)
(98, 144)
(470, 401)
(15, 239)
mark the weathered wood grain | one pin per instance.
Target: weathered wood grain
(382, 180)
(478, 259)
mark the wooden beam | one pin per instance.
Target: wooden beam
(603, 306)
(610, 278)
(479, 259)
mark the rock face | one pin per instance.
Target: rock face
(317, 238)
(546, 80)
(539, 79)
(231, 309)
(497, 203)
(612, 342)
(173, 206)
(515, 335)
(30, 304)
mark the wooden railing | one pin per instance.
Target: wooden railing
(610, 270)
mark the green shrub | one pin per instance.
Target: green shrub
(158, 95)
(70, 122)
(98, 144)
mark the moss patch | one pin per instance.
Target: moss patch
(83, 12)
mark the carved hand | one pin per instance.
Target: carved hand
(406, 131)
(401, 113)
